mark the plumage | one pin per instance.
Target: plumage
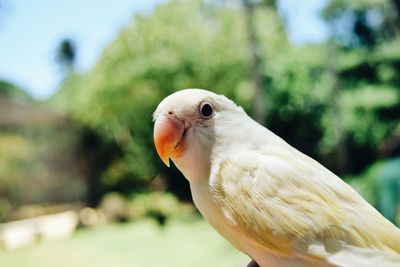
(271, 201)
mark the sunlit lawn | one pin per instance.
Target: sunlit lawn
(181, 243)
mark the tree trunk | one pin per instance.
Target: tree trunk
(340, 152)
(259, 111)
(396, 20)
(396, 4)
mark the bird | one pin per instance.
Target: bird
(272, 202)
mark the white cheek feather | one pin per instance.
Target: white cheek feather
(195, 162)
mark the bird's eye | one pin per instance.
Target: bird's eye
(206, 110)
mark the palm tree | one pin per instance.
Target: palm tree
(66, 55)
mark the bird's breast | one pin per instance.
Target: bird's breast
(213, 214)
(203, 199)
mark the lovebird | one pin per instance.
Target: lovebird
(272, 202)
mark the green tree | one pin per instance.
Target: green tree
(181, 44)
(205, 44)
(12, 91)
(365, 62)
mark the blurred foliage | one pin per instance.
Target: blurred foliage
(181, 44)
(389, 187)
(379, 184)
(365, 34)
(362, 22)
(158, 205)
(114, 208)
(367, 182)
(12, 91)
(202, 44)
(38, 163)
(38, 166)
(16, 153)
(15, 157)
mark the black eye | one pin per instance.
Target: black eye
(206, 110)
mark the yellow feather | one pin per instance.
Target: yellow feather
(288, 202)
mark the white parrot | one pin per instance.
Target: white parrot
(272, 202)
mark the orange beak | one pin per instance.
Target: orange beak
(167, 137)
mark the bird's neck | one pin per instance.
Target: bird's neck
(195, 163)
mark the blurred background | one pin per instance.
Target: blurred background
(80, 181)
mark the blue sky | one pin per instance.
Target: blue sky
(31, 30)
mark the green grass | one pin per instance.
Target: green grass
(141, 244)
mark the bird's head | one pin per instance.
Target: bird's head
(185, 129)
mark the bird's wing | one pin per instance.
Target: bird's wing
(288, 203)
